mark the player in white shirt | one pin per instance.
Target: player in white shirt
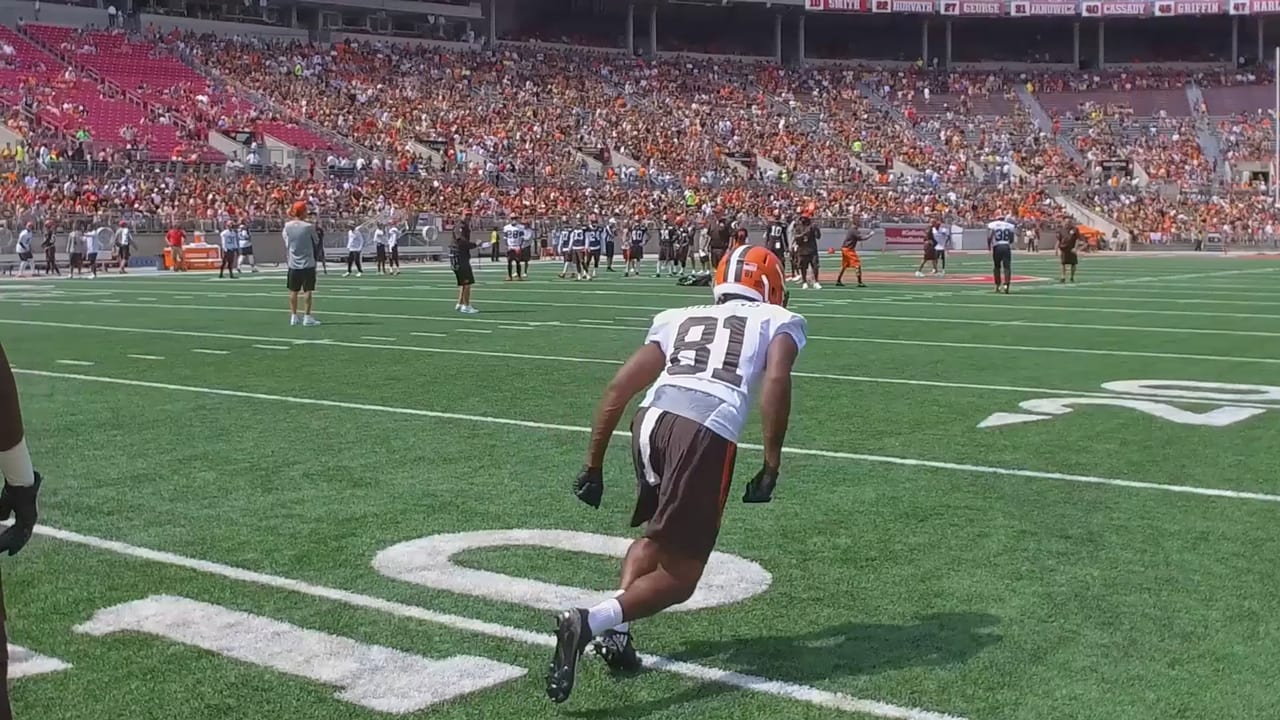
(230, 239)
(355, 246)
(513, 238)
(124, 245)
(92, 247)
(75, 251)
(701, 365)
(380, 248)
(941, 240)
(25, 238)
(393, 245)
(245, 250)
(1001, 235)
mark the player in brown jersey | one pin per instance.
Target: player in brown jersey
(17, 499)
(1068, 239)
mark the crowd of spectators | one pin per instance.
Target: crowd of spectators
(532, 129)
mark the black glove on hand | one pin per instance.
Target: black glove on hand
(21, 502)
(760, 489)
(589, 487)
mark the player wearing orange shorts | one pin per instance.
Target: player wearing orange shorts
(849, 257)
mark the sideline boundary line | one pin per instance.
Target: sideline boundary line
(602, 326)
(887, 459)
(702, 673)
(321, 342)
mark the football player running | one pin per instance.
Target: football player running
(700, 365)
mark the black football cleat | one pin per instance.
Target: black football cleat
(618, 653)
(572, 637)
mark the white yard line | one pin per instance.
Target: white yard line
(607, 324)
(147, 357)
(701, 673)
(377, 337)
(1040, 348)
(833, 454)
(80, 363)
(515, 327)
(210, 352)
(272, 347)
(560, 358)
(799, 304)
(429, 334)
(474, 330)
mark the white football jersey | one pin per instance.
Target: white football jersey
(1002, 232)
(717, 351)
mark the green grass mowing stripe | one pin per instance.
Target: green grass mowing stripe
(950, 384)
(885, 341)
(1038, 348)
(778, 688)
(961, 467)
(1012, 305)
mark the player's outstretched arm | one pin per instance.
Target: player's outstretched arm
(21, 482)
(637, 373)
(775, 414)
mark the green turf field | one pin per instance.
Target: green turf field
(220, 488)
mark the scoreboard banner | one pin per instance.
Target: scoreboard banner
(1170, 8)
(836, 5)
(972, 7)
(1113, 8)
(1050, 8)
(1254, 7)
(1043, 8)
(903, 6)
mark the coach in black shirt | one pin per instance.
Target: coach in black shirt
(718, 243)
(460, 260)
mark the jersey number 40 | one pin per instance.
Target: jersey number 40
(700, 337)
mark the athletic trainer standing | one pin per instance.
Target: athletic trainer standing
(300, 242)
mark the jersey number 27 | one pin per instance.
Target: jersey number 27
(701, 336)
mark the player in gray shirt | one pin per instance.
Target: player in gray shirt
(300, 243)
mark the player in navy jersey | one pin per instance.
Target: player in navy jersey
(666, 248)
(595, 243)
(578, 250)
(610, 243)
(684, 238)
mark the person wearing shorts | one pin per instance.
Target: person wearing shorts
(460, 261)
(300, 242)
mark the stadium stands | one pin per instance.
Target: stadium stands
(553, 130)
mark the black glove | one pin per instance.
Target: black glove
(21, 502)
(760, 489)
(589, 487)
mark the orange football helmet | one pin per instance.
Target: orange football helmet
(753, 272)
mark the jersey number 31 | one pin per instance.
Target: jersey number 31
(699, 337)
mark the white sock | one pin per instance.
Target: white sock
(604, 616)
(622, 626)
(15, 464)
